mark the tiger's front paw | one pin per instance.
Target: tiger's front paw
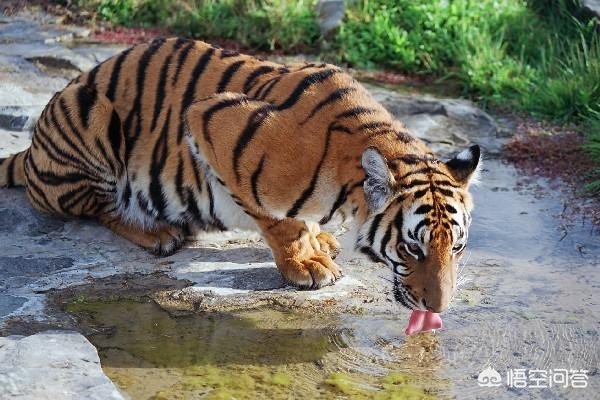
(310, 273)
(329, 244)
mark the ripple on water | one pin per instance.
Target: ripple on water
(258, 353)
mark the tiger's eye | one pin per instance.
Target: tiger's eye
(413, 248)
(458, 248)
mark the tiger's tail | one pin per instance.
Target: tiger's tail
(12, 170)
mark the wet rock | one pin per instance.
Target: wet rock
(20, 266)
(13, 142)
(52, 365)
(446, 125)
(28, 222)
(9, 303)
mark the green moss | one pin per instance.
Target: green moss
(281, 379)
(345, 384)
(394, 386)
(254, 354)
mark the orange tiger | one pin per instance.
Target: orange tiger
(175, 136)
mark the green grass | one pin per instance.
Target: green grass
(540, 56)
(260, 24)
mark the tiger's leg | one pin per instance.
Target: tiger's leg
(163, 240)
(297, 252)
(327, 242)
(76, 162)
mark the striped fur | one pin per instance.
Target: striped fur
(177, 136)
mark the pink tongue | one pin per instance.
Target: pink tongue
(422, 321)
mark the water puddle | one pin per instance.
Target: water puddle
(527, 301)
(254, 354)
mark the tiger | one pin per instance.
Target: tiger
(177, 136)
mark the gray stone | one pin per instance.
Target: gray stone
(11, 267)
(446, 125)
(593, 6)
(28, 222)
(52, 365)
(8, 304)
(330, 14)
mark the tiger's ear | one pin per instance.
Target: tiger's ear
(378, 180)
(463, 166)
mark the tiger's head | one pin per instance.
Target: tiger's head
(418, 222)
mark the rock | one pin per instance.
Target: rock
(16, 272)
(446, 125)
(330, 14)
(592, 6)
(9, 304)
(52, 365)
(13, 142)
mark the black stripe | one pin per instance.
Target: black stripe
(445, 192)
(384, 242)
(371, 254)
(421, 224)
(10, 170)
(91, 81)
(215, 221)
(179, 180)
(256, 119)
(53, 152)
(143, 63)
(332, 98)
(190, 90)
(254, 180)
(341, 199)
(144, 204)
(183, 55)
(268, 83)
(398, 222)
(445, 182)
(86, 99)
(374, 125)
(115, 138)
(114, 76)
(303, 86)
(293, 212)
(126, 196)
(208, 114)
(451, 209)
(355, 112)
(424, 209)
(267, 88)
(252, 78)
(373, 228)
(105, 155)
(196, 171)
(71, 198)
(228, 75)
(32, 185)
(192, 207)
(425, 170)
(404, 137)
(84, 159)
(52, 179)
(159, 158)
(160, 91)
(420, 193)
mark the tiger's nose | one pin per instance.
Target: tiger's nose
(436, 301)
